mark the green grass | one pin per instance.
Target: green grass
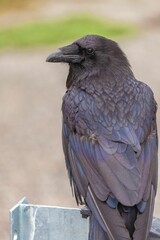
(48, 33)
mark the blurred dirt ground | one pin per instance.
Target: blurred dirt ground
(32, 162)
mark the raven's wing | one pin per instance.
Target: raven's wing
(111, 154)
(86, 181)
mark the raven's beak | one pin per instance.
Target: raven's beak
(67, 54)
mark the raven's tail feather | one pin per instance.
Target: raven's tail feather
(109, 219)
(123, 223)
(144, 220)
(129, 215)
(96, 232)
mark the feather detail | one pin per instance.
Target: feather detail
(109, 219)
(144, 220)
(96, 231)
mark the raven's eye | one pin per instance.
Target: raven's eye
(90, 51)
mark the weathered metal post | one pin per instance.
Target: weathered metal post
(37, 222)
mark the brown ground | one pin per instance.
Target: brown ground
(32, 162)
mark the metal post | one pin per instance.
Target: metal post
(37, 222)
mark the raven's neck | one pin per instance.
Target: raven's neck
(107, 78)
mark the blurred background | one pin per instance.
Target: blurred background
(31, 90)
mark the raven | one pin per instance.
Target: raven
(109, 138)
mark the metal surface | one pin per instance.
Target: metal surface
(15, 220)
(155, 230)
(37, 222)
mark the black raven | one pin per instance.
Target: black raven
(109, 138)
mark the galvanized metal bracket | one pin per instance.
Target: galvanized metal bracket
(37, 222)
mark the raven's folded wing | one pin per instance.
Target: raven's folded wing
(109, 167)
(110, 153)
(95, 173)
(87, 182)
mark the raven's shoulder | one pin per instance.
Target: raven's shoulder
(77, 110)
(105, 111)
(148, 106)
(145, 92)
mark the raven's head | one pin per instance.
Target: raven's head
(91, 53)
